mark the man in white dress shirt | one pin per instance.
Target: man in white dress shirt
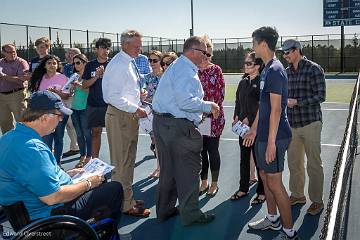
(122, 93)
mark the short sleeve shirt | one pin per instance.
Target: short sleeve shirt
(28, 171)
(95, 98)
(273, 80)
(14, 68)
(57, 81)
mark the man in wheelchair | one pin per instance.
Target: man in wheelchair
(29, 172)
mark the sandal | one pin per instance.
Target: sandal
(155, 174)
(201, 192)
(252, 182)
(81, 163)
(258, 200)
(236, 195)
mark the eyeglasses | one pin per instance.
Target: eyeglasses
(248, 63)
(11, 51)
(77, 62)
(288, 51)
(203, 52)
(105, 48)
(153, 60)
(57, 114)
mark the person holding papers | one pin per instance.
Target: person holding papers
(246, 107)
(29, 172)
(178, 106)
(212, 81)
(122, 92)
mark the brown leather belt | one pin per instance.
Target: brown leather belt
(12, 91)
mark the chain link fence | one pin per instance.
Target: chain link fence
(228, 52)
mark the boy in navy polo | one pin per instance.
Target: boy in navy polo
(273, 133)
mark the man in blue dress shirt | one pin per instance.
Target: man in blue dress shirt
(178, 107)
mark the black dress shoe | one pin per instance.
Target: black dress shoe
(173, 213)
(203, 219)
(70, 153)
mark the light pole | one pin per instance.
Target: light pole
(192, 20)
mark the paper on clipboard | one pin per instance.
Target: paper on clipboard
(205, 127)
(92, 168)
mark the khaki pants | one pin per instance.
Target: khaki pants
(72, 135)
(122, 132)
(306, 140)
(11, 106)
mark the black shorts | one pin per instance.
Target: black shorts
(278, 164)
(96, 116)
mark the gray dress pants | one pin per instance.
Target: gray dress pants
(179, 145)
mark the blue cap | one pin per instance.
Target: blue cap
(46, 100)
(290, 44)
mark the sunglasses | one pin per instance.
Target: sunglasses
(249, 63)
(153, 60)
(166, 63)
(203, 52)
(288, 51)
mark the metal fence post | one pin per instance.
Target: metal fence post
(312, 47)
(160, 44)
(27, 43)
(225, 55)
(50, 39)
(70, 38)
(87, 41)
(117, 41)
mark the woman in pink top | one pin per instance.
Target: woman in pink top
(47, 76)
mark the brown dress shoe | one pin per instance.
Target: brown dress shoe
(138, 211)
(295, 200)
(315, 208)
(139, 203)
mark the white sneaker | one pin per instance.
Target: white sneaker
(265, 223)
(284, 236)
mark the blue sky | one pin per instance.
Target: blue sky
(171, 18)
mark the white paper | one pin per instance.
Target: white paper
(205, 127)
(240, 129)
(72, 79)
(146, 122)
(1, 72)
(92, 168)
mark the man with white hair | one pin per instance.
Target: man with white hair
(122, 92)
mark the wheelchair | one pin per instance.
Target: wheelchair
(64, 227)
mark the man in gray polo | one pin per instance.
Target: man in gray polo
(178, 107)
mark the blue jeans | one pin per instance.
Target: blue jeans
(57, 138)
(80, 122)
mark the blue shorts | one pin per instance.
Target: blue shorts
(278, 164)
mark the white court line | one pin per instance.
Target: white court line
(236, 139)
(324, 109)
